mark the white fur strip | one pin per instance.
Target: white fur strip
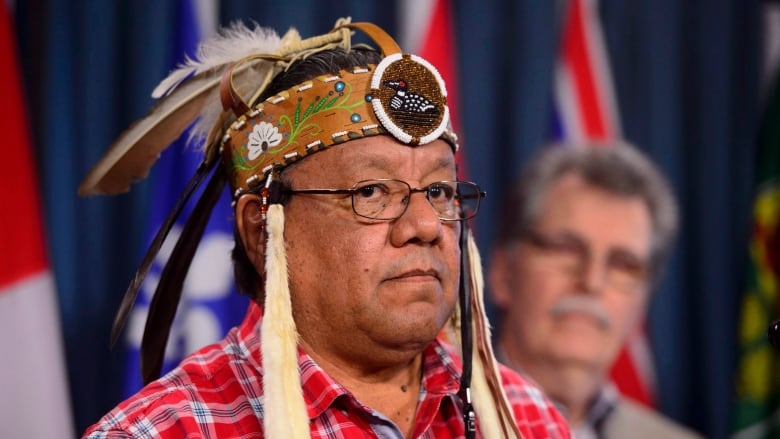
(285, 415)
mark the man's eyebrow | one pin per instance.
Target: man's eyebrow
(383, 164)
(373, 162)
(446, 161)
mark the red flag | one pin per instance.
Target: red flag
(587, 110)
(34, 400)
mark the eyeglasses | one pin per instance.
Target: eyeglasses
(570, 254)
(387, 199)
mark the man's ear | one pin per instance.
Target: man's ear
(498, 278)
(251, 228)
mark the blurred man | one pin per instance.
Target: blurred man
(585, 234)
(350, 238)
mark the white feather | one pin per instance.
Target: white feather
(229, 45)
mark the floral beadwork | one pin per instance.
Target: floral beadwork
(334, 101)
(263, 136)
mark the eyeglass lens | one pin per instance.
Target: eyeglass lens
(388, 199)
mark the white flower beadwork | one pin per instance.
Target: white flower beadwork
(263, 136)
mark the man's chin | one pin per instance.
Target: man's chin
(587, 355)
(403, 332)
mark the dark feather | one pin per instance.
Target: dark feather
(154, 248)
(169, 289)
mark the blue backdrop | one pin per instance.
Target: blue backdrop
(687, 78)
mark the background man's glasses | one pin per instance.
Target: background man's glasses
(623, 270)
(387, 199)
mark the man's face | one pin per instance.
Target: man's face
(576, 287)
(365, 289)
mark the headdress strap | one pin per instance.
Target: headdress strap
(380, 37)
(466, 340)
(230, 98)
(490, 400)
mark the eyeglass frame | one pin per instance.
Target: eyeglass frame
(546, 243)
(479, 195)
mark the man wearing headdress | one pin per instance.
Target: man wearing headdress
(351, 237)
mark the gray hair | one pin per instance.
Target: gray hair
(617, 167)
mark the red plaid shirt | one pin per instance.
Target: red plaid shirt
(217, 393)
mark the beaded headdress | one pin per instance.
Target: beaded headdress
(247, 144)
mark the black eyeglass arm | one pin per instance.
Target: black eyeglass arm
(478, 196)
(320, 191)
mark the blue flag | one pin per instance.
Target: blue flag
(210, 304)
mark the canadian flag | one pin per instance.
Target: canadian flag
(34, 401)
(586, 109)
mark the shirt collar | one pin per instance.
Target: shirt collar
(441, 368)
(440, 378)
(602, 405)
(599, 409)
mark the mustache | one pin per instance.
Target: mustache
(582, 304)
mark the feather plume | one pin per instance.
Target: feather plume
(228, 46)
(188, 93)
(192, 92)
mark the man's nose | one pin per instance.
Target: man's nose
(421, 214)
(593, 275)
